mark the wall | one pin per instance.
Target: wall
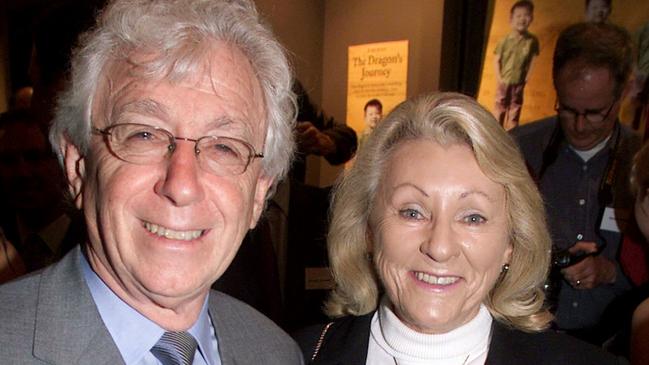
(366, 21)
(318, 32)
(299, 24)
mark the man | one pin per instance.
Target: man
(34, 217)
(176, 123)
(581, 158)
(319, 135)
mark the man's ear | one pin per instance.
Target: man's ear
(261, 190)
(75, 170)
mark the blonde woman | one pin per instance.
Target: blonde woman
(439, 248)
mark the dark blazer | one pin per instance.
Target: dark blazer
(347, 339)
(49, 317)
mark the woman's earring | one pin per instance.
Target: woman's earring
(504, 269)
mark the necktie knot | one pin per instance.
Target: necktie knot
(175, 348)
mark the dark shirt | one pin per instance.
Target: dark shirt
(570, 188)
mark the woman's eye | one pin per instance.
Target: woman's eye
(473, 219)
(410, 213)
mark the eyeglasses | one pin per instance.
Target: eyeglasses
(143, 144)
(567, 113)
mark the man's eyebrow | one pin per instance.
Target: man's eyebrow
(143, 106)
(220, 122)
(598, 110)
(238, 128)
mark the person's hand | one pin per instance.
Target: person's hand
(312, 141)
(591, 272)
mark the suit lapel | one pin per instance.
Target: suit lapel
(227, 325)
(68, 327)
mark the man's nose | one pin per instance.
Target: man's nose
(580, 123)
(182, 181)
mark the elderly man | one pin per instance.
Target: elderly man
(175, 126)
(581, 158)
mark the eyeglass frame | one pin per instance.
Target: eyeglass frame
(558, 107)
(171, 147)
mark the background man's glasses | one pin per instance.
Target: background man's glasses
(594, 117)
(143, 144)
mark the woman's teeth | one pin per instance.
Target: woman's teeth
(436, 280)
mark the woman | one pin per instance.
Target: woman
(640, 188)
(439, 248)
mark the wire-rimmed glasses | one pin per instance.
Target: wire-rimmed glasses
(594, 117)
(143, 144)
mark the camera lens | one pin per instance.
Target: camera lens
(562, 259)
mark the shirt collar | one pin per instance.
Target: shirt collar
(588, 154)
(135, 334)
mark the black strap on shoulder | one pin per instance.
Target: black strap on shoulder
(551, 151)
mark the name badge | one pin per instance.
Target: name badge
(318, 278)
(615, 220)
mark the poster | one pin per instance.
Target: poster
(375, 71)
(549, 18)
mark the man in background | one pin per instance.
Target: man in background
(581, 158)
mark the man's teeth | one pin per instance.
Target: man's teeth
(171, 234)
(436, 280)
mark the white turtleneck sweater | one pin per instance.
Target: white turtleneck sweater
(392, 342)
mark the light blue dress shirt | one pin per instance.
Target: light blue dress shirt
(135, 335)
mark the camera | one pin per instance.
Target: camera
(562, 258)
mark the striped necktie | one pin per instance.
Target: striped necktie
(175, 348)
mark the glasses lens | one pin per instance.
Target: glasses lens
(594, 117)
(566, 114)
(222, 155)
(137, 143)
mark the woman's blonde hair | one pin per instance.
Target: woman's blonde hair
(445, 118)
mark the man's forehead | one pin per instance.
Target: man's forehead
(124, 88)
(219, 60)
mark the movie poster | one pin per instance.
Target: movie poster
(375, 71)
(549, 17)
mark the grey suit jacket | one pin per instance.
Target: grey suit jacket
(49, 317)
